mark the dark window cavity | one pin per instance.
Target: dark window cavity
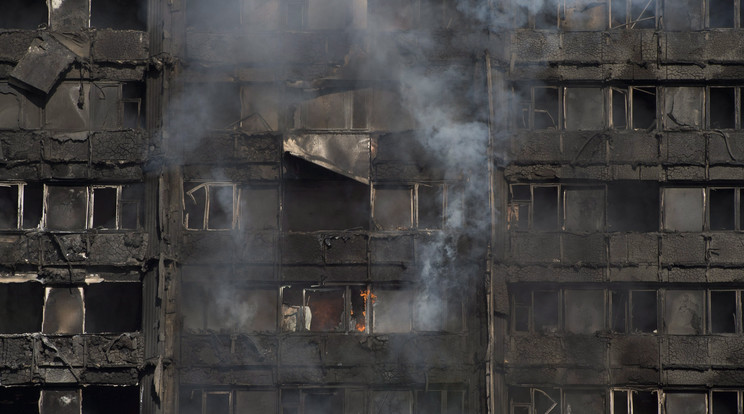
(634, 311)
(725, 402)
(721, 13)
(584, 311)
(23, 14)
(643, 104)
(722, 107)
(111, 400)
(113, 307)
(60, 401)
(21, 307)
(722, 209)
(210, 206)
(545, 208)
(228, 308)
(66, 207)
(633, 206)
(63, 311)
(119, 14)
(19, 400)
(723, 313)
(583, 108)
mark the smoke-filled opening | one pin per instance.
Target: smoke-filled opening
(23, 14)
(104, 208)
(213, 15)
(223, 307)
(63, 311)
(111, 400)
(643, 103)
(721, 13)
(119, 14)
(21, 307)
(545, 208)
(66, 207)
(60, 401)
(113, 307)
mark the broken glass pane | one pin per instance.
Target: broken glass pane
(113, 307)
(642, 15)
(66, 208)
(683, 209)
(722, 108)
(645, 402)
(547, 400)
(111, 400)
(63, 311)
(584, 209)
(643, 311)
(391, 311)
(8, 206)
(546, 108)
(195, 200)
(393, 208)
(584, 311)
(644, 108)
(633, 206)
(620, 402)
(584, 109)
(33, 205)
(684, 312)
(686, 403)
(104, 208)
(430, 206)
(722, 209)
(723, 311)
(546, 16)
(683, 108)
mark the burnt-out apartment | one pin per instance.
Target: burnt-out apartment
(371, 206)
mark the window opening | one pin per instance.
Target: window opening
(23, 14)
(545, 208)
(684, 312)
(393, 402)
(60, 401)
(63, 311)
(546, 105)
(683, 108)
(210, 206)
(686, 403)
(634, 311)
(722, 108)
(643, 102)
(584, 311)
(217, 402)
(633, 206)
(105, 211)
(21, 307)
(683, 209)
(584, 209)
(119, 14)
(546, 16)
(723, 314)
(66, 208)
(725, 402)
(546, 310)
(19, 400)
(391, 311)
(113, 307)
(722, 209)
(721, 13)
(583, 108)
(111, 400)
(619, 108)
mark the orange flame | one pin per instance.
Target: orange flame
(361, 324)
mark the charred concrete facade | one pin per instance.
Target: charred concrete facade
(371, 206)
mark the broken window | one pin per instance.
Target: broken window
(440, 14)
(21, 307)
(336, 110)
(685, 403)
(722, 108)
(255, 401)
(643, 108)
(722, 209)
(440, 401)
(536, 311)
(133, 105)
(545, 107)
(619, 108)
(19, 400)
(435, 310)
(311, 197)
(10, 201)
(60, 401)
(546, 14)
(213, 15)
(63, 311)
(584, 209)
(584, 15)
(111, 400)
(228, 307)
(545, 207)
(683, 108)
(583, 108)
(724, 402)
(113, 307)
(392, 402)
(634, 311)
(635, 402)
(104, 207)
(633, 206)
(324, 309)
(520, 196)
(724, 317)
(583, 402)
(584, 311)
(119, 14)
(68, 108)
(210, 106)
(721, 13)
(23, 14)
(210, 206)
(66, 207)
(423, 206)
(259, 207)
(313, 400)
(683, 15)
(535, 400)
(633, 14)
(260, 108)
(683, 209)
(684, 312)
(391, 311)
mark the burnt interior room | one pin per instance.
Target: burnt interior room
(371, 206)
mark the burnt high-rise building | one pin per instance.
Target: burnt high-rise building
(371, 206)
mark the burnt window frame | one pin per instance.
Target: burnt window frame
(738, 16)
(629, 409)
(348, 317)
(528, 15)
(236, 191)
(665, 306)
(628, 314)
(349, 97)
(89, 211)
(530, 405)
(448, 190)
(531, 329)
(204, 308)
(20, 190)
(738, 300)
(520, 103)
(628, 92)
(738, 121)
(561, 189)
(706, 207)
